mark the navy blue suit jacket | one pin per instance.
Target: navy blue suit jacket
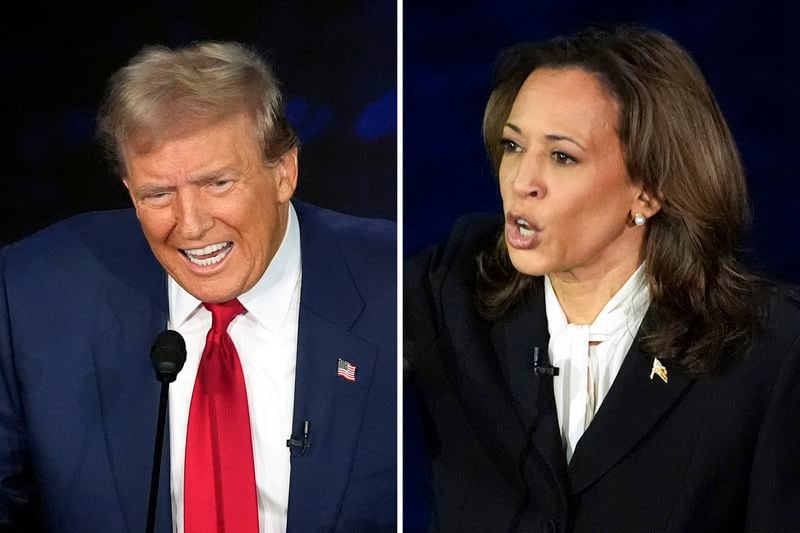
(80, 305)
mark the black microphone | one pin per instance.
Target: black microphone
(292, 442)
(540, 369)
(168, 354)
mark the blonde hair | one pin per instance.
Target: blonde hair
(164, 91)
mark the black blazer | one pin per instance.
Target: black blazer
(716, 454)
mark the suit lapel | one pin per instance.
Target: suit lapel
(514, 339)
(333, 406)
(128, 391)
(634, 404)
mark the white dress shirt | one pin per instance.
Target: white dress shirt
(590, 356)
(266, 340)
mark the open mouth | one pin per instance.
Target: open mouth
(208, 255)
(521, 232)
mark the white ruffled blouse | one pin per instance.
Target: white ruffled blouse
(590, 356)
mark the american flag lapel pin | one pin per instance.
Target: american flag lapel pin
(346, 370)
(658, 370)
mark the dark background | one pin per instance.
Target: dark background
(749, 52)
(336, 61)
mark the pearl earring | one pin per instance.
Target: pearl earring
(639, 219)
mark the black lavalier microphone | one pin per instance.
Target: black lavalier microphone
(168, 354)
(293, 443)
(542, 369)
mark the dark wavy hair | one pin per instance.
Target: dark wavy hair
(676, 143)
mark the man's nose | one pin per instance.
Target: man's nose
(192, 215)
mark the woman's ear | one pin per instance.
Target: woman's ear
(645, 204)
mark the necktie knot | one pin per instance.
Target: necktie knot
(223, 314)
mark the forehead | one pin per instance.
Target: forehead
(193, 144)
(146, 137)
(568, 99)
(228, 144)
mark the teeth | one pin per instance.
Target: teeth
(210, 249)
(524, 228)
(194, 254)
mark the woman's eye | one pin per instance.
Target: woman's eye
(510, 146)
(563, 158)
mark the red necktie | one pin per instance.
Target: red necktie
(219, 479)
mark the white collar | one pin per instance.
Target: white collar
(269, 299)
(630, 301)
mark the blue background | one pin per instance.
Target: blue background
(337, 63)
(749, 52)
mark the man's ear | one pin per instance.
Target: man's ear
(127, 185)
(286, 174)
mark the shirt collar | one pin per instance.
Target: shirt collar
(269, 300)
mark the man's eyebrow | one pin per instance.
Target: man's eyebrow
(151, 188)
(208, 177)
(201, 179)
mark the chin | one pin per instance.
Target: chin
(210, 294)
(524, 264)
(214, 299)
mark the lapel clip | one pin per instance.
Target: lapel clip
(658, 370)
(346, 370)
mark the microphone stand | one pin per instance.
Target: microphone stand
(162, 415)
(168, 354)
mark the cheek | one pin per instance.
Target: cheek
(603, 200)
(587, 231)
(258, 226)
(156, 224)
(586, 218)
(503, 191)
(506, 195)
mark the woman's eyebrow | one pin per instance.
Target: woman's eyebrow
(557, 137)
(549, 136)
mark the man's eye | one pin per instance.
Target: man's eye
(221, 185)
(563, 158)
(156, 198)
(510, 146)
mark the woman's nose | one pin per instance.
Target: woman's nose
(527, 178)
